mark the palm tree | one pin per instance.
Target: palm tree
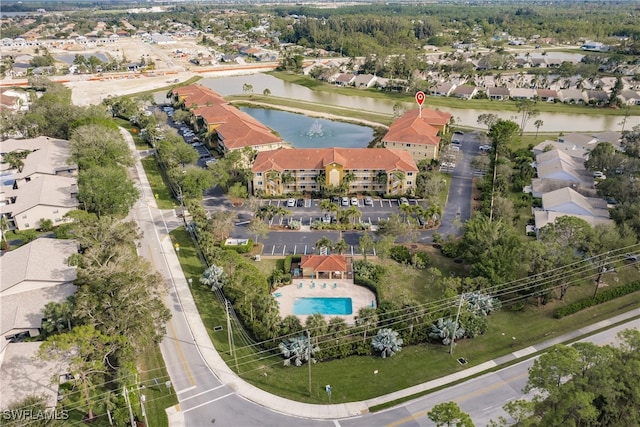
(538, 124)
(297, 349)
(266, 92)
(326, 205)
(347, 179)
(290, 325)
(317, 327)
(213, 277)
(340, 246)
(353, 213)
(324, 242)
(367, 319)
(447, 330)
(387, 342)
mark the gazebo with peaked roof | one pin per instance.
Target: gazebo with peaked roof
(326, 266)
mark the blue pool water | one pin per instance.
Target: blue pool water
(326, 306)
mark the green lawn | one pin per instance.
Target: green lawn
(157, 182)
(352, 379)
(153, 375)
(134, 131)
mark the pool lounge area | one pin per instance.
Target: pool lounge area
(304, 295)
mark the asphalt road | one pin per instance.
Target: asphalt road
(482, 397)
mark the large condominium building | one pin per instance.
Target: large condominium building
(351, 170)
(227, 127)
(418, 133)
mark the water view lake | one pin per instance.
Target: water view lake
(307, 132)
(552, 122)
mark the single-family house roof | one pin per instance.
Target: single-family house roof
(42, 261)
(577, 152)
(502, 92)
(23, 375)
(47, 155)
(597, 95)
(443, 89)
(575, 138)
(522, 93)
(572, 95)
(55, 191)
(569, 201)
(465, 91)
(345, 78)
(547, 94)
(364, 80)
(556, 164)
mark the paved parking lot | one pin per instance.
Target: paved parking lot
(379, 210)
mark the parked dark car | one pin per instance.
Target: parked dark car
(335, 199)
(300, 203)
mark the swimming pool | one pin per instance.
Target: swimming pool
(326, 306)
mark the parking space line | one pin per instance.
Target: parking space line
(305, 249)
(273, 250)
(294, 249)
(284, 248)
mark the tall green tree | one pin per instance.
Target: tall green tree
(106, 191)
(85, 350)
(449, 414)
(95, 145)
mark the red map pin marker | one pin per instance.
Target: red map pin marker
(420, 98)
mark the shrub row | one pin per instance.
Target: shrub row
(289, 259)
(241, 249)
(603, 296)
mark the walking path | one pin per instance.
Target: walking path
(298, 409)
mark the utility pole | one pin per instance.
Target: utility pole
(125, 393)
(309, 358)
(230, 335)
(455, 325)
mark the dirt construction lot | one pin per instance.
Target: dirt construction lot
(172, 66)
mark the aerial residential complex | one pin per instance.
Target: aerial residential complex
(227, 127)
(381, 170)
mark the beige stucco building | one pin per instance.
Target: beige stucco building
(352, 170)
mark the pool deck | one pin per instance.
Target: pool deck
(360, 296)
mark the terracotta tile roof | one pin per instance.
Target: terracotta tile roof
(324, 262)
(350, 158)
(412, 128)
(547, 93)
(198, 95)
(238, 129)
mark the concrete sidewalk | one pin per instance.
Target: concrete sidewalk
(305, 410)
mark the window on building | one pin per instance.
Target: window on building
(259, 174)
(409, 173)
(259, 182)
(303, 186)
(56, 211)
(58, 219)
(313, 187)
(408, 182)
(24, 217)
(26, 225)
